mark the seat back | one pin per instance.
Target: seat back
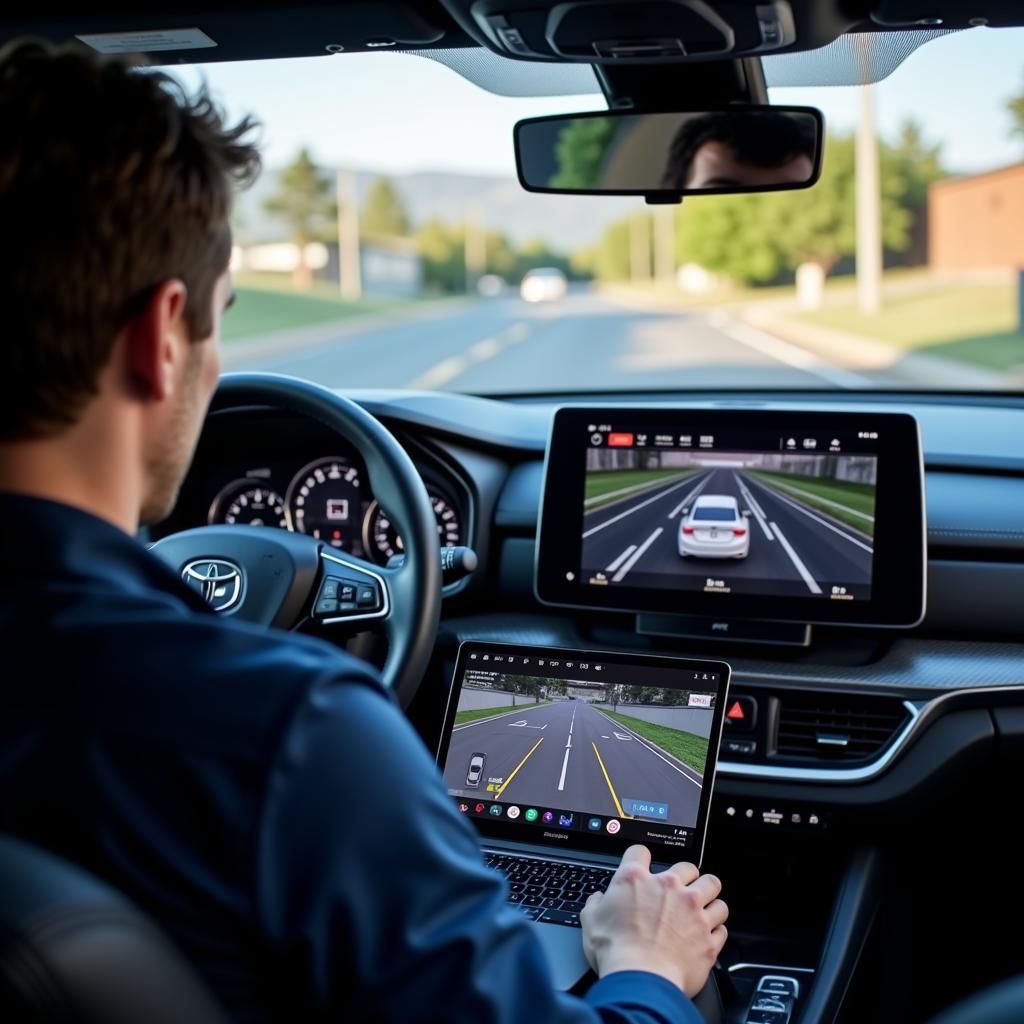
(72, 949)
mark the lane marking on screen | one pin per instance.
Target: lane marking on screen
(824, 522)
(611, 788)
(491, 718)
(618, 561)
(754, 507)
(504, 785)
(812, 583)
(684, 771)
(693, 494)
(636, 508)
(824, 501)
(637, 555)
(633, 489)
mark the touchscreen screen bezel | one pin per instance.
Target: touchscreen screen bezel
(578, 840)
(898, 575)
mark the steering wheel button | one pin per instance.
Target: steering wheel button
(367, 596)
(325, 606)
(348, 593)
(330, 588)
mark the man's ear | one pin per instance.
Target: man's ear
(153, 340)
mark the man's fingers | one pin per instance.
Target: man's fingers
(592, 901)
(638, 856)
(718, 913)
(708, 887)
(685, 871)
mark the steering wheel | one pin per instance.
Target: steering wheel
(276, 578)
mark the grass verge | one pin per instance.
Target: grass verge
(603, 486)
(839, 498)
(688, 747)
(264, 305)
(479, 713)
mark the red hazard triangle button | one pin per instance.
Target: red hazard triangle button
(741, 713)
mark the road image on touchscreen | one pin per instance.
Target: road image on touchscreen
(610, 750)
(773, 523)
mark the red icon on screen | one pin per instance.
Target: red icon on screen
(620, 440)
(736, 712)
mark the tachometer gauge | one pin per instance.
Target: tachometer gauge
(324, 500)
(248, 503)
(382, 540)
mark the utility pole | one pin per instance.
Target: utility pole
(639, 247)
(665, 243)
(475, 246)
(350, 278)
(869, 208)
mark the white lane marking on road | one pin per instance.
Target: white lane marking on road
(693, 494)
(606, 737)
(454, 366)
(621, 736)
(637, 555)
(758, 514)
(565, 764)
(635, 489)
(699, 781)
(812, 583)
(786, 352)
(636, 508)
(505, 714)
(824, 522)
(572, 720)
(618, 561)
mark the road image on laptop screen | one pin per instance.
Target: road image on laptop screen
(582, 746)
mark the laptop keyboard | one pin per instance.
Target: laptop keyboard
(550, 891)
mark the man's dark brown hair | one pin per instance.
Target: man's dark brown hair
(113, 179)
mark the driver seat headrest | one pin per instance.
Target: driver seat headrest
(72, 949)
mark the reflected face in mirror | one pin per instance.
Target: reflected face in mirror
(716, 165)
(738, 149)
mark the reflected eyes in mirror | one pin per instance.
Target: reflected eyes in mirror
(668, 155)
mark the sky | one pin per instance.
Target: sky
(398, 113)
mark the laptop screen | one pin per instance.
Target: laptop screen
(584, 750)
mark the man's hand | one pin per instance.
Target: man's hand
(670, 923)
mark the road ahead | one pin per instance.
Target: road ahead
(794, 548)
(568, 755)
(502, 345)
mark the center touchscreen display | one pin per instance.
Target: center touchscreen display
(768, 515)
(697, 513)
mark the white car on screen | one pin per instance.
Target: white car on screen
(714, 527)
(545, 284)
(476, 769)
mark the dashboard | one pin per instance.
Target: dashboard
(899, 742)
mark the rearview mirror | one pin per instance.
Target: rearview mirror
(667, 156)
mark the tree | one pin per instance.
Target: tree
(1015, 106)
(384, 212)
(304, 200)
(580, 152)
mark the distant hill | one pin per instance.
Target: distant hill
(565, 222)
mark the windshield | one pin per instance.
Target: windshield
(388, 243)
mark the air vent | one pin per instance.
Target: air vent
(841, 728)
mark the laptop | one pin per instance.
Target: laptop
(562, 759)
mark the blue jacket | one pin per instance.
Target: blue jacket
(259, 795)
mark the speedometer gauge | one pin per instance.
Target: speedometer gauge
(382, 539)
(248, 503)
(324, 500)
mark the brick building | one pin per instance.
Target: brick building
(977, 222)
